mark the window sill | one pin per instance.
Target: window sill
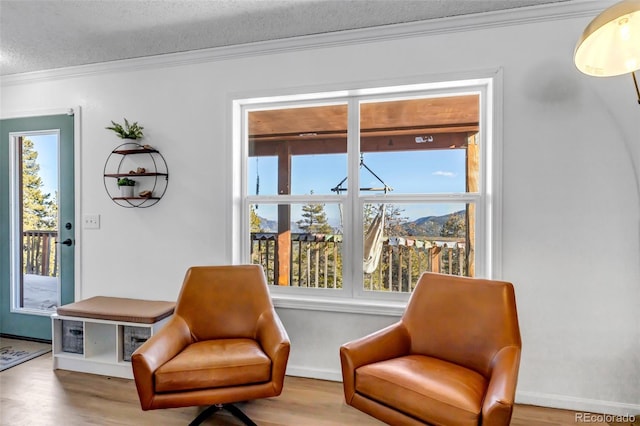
(32, 311)
(352, 306)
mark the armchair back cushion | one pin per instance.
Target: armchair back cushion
(223, 302)
(466, 312)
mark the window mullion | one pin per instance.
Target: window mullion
(352, 269)
(293, 199)
(470, 197)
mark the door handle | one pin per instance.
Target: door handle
(67, 242)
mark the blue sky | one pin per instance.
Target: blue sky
(434, 171)
(47, 148)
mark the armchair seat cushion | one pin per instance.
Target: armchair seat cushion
(426, 388)
(214, 363)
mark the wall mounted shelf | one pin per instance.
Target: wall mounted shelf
(127, 160)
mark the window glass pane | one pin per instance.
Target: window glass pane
(38, 191)
(402, 240)
(411, 172)
(317, 174)
(419, 145)
(298, 245)
(267, 168)
(297, 150)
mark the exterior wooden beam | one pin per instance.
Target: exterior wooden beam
(284, 216)
(338, 145)
(473, 173)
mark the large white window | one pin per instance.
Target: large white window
(351, 195)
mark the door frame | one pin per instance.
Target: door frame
(76, 111)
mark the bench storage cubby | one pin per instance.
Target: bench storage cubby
(98, 335)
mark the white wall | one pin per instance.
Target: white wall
(571, 231)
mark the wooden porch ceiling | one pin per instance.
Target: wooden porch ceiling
(444, 122)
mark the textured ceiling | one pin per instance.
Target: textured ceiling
(40, 35)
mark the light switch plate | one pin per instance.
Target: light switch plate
(91, 221)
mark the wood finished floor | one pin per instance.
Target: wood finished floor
(32, 394)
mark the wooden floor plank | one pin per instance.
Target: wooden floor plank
(32, 394)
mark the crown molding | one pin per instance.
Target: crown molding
(455, 24)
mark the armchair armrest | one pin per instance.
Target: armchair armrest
(390, 342)
(499, 400)
(156, 351)
(275, 342)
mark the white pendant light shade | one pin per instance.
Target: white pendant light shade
(610, 45)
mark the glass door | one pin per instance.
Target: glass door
(37, 157)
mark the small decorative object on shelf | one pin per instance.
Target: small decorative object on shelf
(128, 131)
(126, 186)
(146, 164)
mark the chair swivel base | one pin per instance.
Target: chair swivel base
(235, 411)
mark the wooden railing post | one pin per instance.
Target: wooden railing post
(39, 251)
(434, 254)
(315, 260)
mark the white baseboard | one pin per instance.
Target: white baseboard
(314, 373)
(577, 404)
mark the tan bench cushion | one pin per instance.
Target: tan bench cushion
(119, 309)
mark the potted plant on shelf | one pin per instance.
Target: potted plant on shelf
(128, 131)
(126, 187)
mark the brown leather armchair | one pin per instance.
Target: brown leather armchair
(452, 359)
(224, 344)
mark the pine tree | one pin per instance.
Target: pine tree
(254, 220)
(313, 255)
(454, 227)
(314, 220)
(39, 211)
(260, 251)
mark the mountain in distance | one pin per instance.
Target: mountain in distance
(428, 225)
(268, 225)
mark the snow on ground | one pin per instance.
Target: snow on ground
(40, 292)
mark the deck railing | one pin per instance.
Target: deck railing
(40, 253)
(316, 260)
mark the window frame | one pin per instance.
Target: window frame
(353, 297)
